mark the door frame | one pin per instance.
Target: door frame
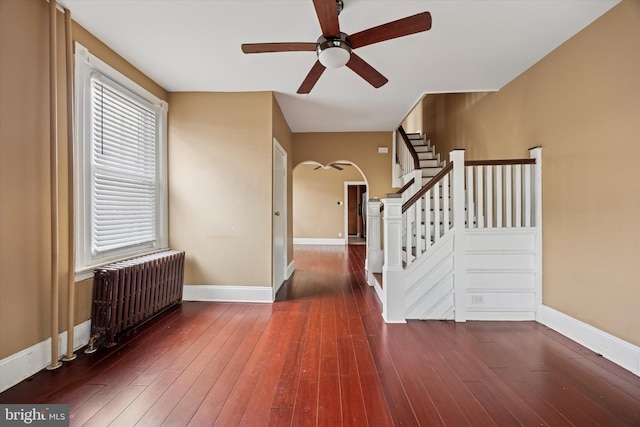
(276, 282)
(345, 206)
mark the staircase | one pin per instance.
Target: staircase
(464, 245)
(429, 160)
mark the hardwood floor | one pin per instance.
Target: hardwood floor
(321, 355)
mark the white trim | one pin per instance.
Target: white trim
(618, 351)
(227, 293)
(32, 360)
(318, 241)
(290, 269)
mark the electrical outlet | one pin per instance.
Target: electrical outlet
(477, 299)
(339, 234)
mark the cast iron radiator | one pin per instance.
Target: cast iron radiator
(128, 293)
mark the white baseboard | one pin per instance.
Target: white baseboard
(29, 361)
(227, 293)
(610, 347)
(290, 269)
(313, 241)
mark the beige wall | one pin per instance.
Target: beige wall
(220, 162)
(414, 121)
(25, 213)
(282, 133)
(581, 103)
(316, 213)
(359, 148)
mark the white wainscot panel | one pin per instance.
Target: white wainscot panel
(437, 304)
(489, 301)
(500, 239)
(500, 280)
(500, 260)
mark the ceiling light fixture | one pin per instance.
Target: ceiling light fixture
(334, 52)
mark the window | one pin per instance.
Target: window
(120, 166)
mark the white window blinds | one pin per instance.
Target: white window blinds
(124, 162)
(120, 166)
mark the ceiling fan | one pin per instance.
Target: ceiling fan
(334, 165)
(335, 48)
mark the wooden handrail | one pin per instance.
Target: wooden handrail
(500, 162)
(406, 186)
(400, 191)
(412, 150)
(427, 187)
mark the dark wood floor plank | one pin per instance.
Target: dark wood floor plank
(188, 376)
(76, 397)
(446, 335)
(270, 370)
(215, 399)
(141, 404)
(329, 392)
(305, 408)
(192, 399)
(284, 393)
(353, 409)
(111, 410)
(322, 355)
(562, 385)
(398, 403)
(90, 407)
(451, 375)
(310, 364)
(279, 417)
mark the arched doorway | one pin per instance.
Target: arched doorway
(321, 202)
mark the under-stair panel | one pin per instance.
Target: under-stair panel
(500, 274)
(429, 283)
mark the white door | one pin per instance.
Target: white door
(279, 216)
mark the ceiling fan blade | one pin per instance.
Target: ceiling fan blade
(327, 12)
(366, 71)
(333, 165)
(312, 78)
(391, 30)
(278, 47)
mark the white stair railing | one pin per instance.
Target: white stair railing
(499, 193)
(406, 156)
(464, 195)
(427, 216)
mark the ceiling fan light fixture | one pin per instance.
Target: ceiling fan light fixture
(334, 52)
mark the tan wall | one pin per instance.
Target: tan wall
(316, 213)
(359, 148)
(581, 103)
(220, 163)
(414, 120)
(282, 133)
(25, 214)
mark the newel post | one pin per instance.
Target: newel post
(373, 261)
(536, 153)
(459, 246)
(392, 271)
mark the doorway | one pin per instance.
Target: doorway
(355, 196)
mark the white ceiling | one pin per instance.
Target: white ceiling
(473, 45)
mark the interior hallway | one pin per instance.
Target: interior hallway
(321, 355)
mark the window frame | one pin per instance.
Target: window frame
(86, 67)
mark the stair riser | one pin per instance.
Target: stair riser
(430, 172)
(429, 163)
